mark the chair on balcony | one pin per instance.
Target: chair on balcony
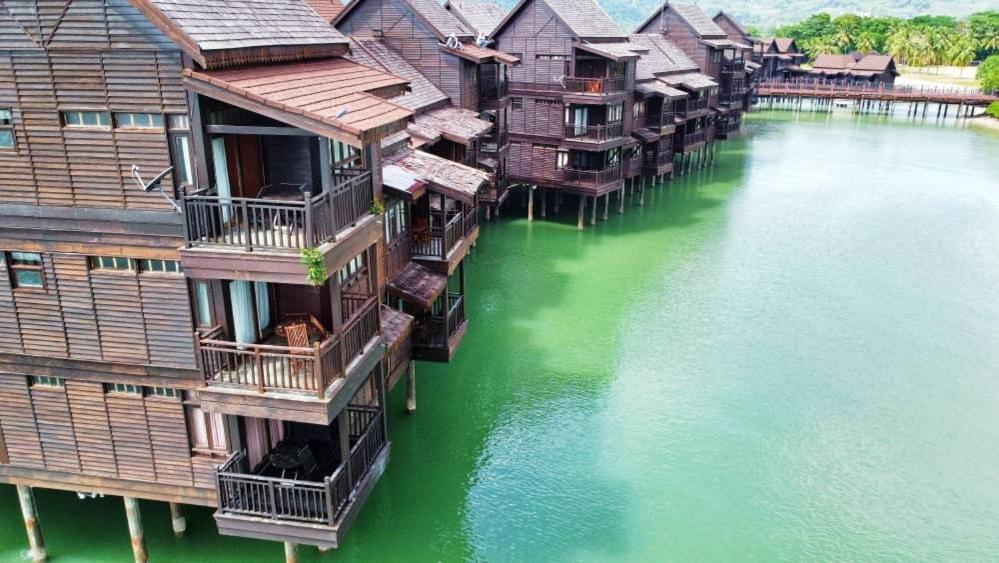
(298, 337)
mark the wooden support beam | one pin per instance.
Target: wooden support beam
(580, 220)
(489, 210)
(593, 212)
(558, 200)
(135, 529)
(544, 203)
(530, 203)
(177, 520)
(606, 204)
(411, 387)
(620, 201)
(290, 552)
(36, 543)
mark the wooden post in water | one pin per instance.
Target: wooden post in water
(135, 529)
(544, 203)
(177, 520)
(36, 543)
(606, 204)
(620, 201)
(558, 200)
(530, 203)
(593, 212)
(411, 387)
(579, 220)
(290, 552)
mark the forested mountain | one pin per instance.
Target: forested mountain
(770, 14)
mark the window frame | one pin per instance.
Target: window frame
(14, 267)
(64, 116)
(145, 267)
(46, 381)
(96, 264)
(7, 126)
(516, 103)
(118, 116)
(123, 389)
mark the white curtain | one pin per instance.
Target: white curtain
(579, 120)
(241, 301)
(256, 440)
(263, 305)
(222, 177)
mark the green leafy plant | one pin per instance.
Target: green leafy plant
(988, 73)
(993, 110)
(377, 207)
(315, 266)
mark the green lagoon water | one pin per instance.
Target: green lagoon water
(793, 355)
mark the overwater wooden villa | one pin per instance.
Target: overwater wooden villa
(778, 57)
(861, 69)
(169, 164)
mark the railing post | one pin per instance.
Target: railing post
(258, 367)
(310, 238)
(246, 225)
(317, 371)
(271, 496)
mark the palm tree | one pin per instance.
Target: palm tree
(866, 42)
(962, 52)
(823, 45)
(899, 44)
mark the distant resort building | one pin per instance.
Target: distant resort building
(778, 57)
(872, 68)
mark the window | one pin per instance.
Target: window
(715, 55)
(395, 220)
(544, 102)
(615, 113)
(343, 155)
(516, 103)
(86, 119)
(162, 392)
(46, 381)
(26, 269)
(563, 158)
(614, 157)
(203, 302)
(180, 149)
(206, 431)
(123, 388)
(352, 268)
(138, 120)
(551, 57)
(638, 108)
(112, 263)
(6, 129)
(160, 266)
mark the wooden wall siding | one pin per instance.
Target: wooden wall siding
(10, 334)
(203, 469)
(55, 428)
(92, 427)
(469, 85)
(536, 30)
(98, 315)
(89, 167)
(77, 24)
(78, 312)
(39, 316)
(24, 446)
(539, 116)
(168, 323)
(119, 316)
(684, 37)
(82, 429)
(533, 160)
(409, 36)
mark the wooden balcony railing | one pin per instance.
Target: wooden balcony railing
(595, 133)
(733, 65)
(591, 178)
(694, 105)
(266, 367)
(494, 141)
(444, 236)
(241, 493)
(399, 252)
(435, 331)
(690, 139)
(632, 167)
(663, 156)
(492, 89)
(251, 224)
(594, 85)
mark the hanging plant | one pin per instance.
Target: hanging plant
(377, 207)
(315, 266)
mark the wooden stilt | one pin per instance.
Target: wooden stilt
(36, 543)
(544, 203)
(593, 211)
(177, 520)
(530, 203)
(620, 201)
(489, 211)
(135, 530)
(641, 195)
(558, 200)
(579, 221)
(290, 552)
(411, 387)
(606, 204)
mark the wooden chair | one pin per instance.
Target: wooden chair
(298, 337)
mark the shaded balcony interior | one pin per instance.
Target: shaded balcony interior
(691, 135)
(272, 186)
(695, 104)
(594, 123)
(590, 169)
(592, 74)
(439, 225)
(437, 305)
(658, 155)
(298, 482)
(493, 83)
(660, 112)
(286, 338)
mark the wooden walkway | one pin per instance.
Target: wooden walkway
(851, 91)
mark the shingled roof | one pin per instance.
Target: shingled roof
(584, 17)
(784, 44)
(481, 17)
(661, 56)
(443, 22)
(732, 21)
(327, 9)
(220, 33)
(697, 19)
(423, 94)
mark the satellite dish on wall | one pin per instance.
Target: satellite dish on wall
(156, 184)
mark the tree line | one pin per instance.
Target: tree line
(918, 41)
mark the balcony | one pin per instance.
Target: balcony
(437, 336)
(660, 162)
(318, 504)
(661, 122)
(731, 66)
(632, 167)
(594, 133)
(492, 89)
(445, 237)
(594, 85)
(494, 141)
(692, 140)
(600, 181)
(693, 107)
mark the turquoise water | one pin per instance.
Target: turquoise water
(792, 355)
